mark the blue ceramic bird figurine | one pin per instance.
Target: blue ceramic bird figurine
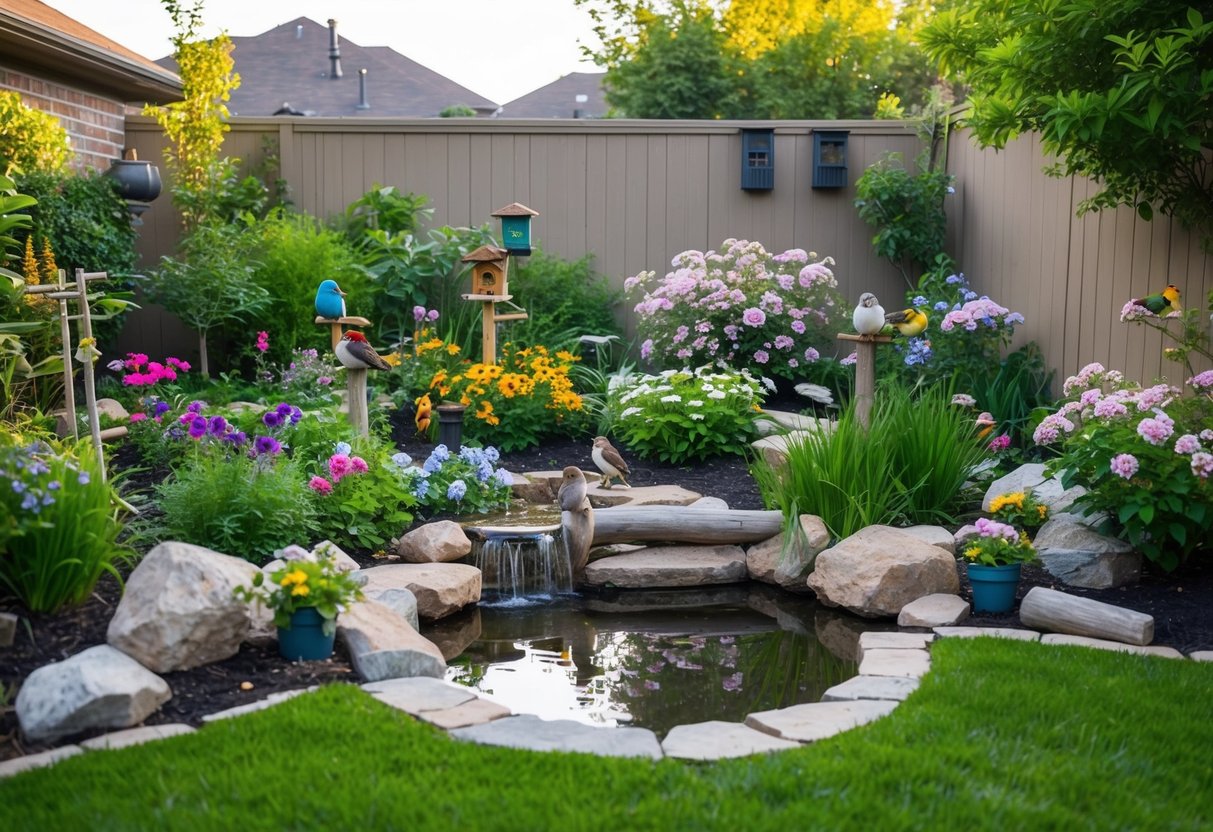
(330, 301)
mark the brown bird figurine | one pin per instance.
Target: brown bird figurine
(609, 462)
(355, 353)
(573, 488)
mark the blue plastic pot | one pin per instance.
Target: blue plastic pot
(305, 640)
(994, 586)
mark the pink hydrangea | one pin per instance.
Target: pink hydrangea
(1155, 431)
(849, 360)
(1000, 443)
(1109, 408)
(1202, 464)
(992, 528)
(1124, 465)
(761, 356)
(811, 355)
(1202, 380)
(359, 465)
(320, 485)
(1186, 444)
(754, 317)
(783, 342)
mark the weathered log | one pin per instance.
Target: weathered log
(356, 387)
(681, 524)
(578, 530)
(1048, 609)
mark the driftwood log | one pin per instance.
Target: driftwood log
(1048, 609)
(682, 524)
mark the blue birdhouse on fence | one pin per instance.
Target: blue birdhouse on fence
(516, 228)
(830, 158)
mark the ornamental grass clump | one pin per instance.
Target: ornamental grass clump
(59, 523)
(304, 582)
(740, 306)
(998, 544)
(1143, 454)
(686, 414)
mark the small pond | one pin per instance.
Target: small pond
(652, 659)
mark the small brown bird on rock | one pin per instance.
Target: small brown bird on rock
(609, 462)
(573, 489)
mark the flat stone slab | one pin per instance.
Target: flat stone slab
(441, 589)
(1115, 646)
(641, 495)
(535, 734)
(818, 720)
(1201, 656)
(886, 688)
(419, 694)
(774, 449)
(476, 712)
(46, 758)
(935, 535)
(260, 705)
(910, 664)
(936, 610)
(991, 632)
(136, 736)
(874, 640)
(669, 566)
(718, 740)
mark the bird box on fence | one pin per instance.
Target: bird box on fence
(516, 228)
(490, 267)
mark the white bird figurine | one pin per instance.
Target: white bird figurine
(868, 317)
(573, 488)
(355, 353)
(609, 462)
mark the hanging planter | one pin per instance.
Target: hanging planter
(138, 183)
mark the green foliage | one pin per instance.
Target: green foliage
(11, 220)
(362, 496)
(303, 583)
(565, 299)
(1144, 456)
(683, 415)
(456, 111)
(59, 523)
(232, 504)
(1119, 91)
(212, 283)
(291, 254)
(31, 140)
(1021, 385)
(87, 223)
(383, 208)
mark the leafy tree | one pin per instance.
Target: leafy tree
(31, 139)
(1119, 90)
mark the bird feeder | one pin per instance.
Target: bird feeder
(516, 228)
(490, 270)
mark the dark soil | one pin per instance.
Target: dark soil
(1181, 603)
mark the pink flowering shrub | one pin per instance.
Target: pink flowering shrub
(139, 371)
(740, 306)
(1144, 454)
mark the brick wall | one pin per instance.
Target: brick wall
(95, 125)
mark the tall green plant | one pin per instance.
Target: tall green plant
(32, 140)
(564, 299)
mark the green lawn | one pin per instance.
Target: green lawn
(1001, 735)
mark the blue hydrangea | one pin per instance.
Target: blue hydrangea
(420, 487)
(432, 463)
(918, 351)
(441, 452)
(344, 448)
(400, 460)
(919, 300)
(503, 477)
(953, 279)
(968, 296)
(942, 306)
(470, 454)
(484, 470)
(456, 490)
(490, 453)
(84, 478)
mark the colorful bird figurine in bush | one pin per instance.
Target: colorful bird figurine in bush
(330, 301)
(909, 322)
(355, 353)
(424, 410)
(609, 462)
(1163, 302)
(868, 317)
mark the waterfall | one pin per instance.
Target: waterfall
(517, 564)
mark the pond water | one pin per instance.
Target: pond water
(653, 659)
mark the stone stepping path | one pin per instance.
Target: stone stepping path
(901, 658)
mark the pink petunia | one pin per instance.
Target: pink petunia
(358, 464)
(1186, 444)
(340, 465)
(320, 485)
(1202, 464)
(138, 417)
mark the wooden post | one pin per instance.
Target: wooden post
(65, 335)
(90, 392)
(356, 400)
(865, 372)
(488, 335)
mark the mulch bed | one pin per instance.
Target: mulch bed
(1181, 603)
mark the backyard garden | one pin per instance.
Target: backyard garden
(237, 484)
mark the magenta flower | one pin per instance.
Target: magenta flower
(263, 340)
(1154, 431)
(754, 317)
(418, 313)
(267, 445)
(1124, 465)
(198, 425)
(432, 315)
(849, 360)
(1202, 380)
(1000, 443)
(320, 485)
(358, 464)
(340, 465)
(783, 342)
(138, 417)
(761, 356)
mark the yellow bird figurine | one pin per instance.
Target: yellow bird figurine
(909, 322)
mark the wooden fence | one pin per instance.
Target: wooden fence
(634, 193)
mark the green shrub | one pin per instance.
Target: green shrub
(58, 523)
(362, 495)
(31, 140)
(681, 415)
(565, 299)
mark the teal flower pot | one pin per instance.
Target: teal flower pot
(994, 586)
(305, 640)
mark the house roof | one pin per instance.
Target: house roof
(37, 39)
(559, 99)
(289, 67)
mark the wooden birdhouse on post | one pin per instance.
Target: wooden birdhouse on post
(490, 274)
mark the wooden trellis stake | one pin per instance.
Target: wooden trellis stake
(865, 372)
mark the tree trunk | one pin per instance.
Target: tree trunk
(203, 366)
(681, 524)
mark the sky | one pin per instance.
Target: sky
(501, 49)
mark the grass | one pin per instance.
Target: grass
(1001, 736)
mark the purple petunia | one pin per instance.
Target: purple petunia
(271, 419)
(198, 426)
(217, 425)
(266, 445)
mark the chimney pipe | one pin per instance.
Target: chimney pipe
(299, 31)
(334, 51)
(363, 104)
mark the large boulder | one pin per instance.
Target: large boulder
(786, 563)
(440, 588)
(440, 542)
(1031, 477)
(669, 566)
(98, 688)
(178, 610)
(382, 645)
(1073, 552)
(878, 570)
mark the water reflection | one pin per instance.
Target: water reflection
(657, 661)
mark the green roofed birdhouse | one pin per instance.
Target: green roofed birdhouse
(516, 228)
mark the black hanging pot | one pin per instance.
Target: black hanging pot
(137, 181)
